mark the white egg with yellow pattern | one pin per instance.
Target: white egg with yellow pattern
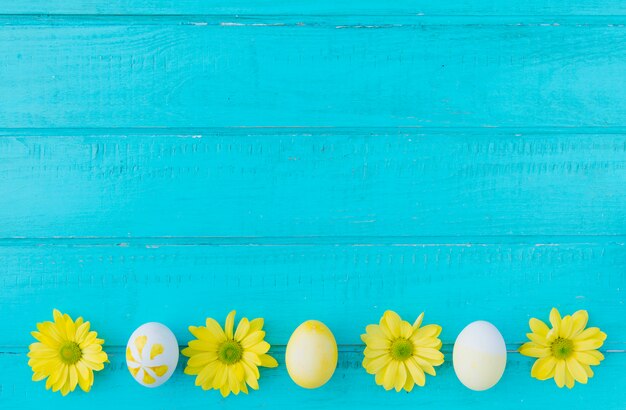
(311, 355)
(152, 354)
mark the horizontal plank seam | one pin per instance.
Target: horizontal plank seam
(248, 15)
(337, 25)
(305, 130)
(460, 241)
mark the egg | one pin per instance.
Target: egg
(479, 356)
(152, 354)
(311, 356)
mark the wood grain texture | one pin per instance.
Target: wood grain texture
(349, 388)
(321, 72)
(171, 160)
(321, 7)
(347, 286)
(284, 183)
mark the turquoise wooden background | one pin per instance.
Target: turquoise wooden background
(172, 160)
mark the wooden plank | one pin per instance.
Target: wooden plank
(312, 183)
(119, 287)
(350, 387)
(323, 72)
(322, 7)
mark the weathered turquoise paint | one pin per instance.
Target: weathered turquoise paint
(315, 183)
(312, 71)
(170, 161)
(496, 8)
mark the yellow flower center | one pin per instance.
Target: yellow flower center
(401, 349)
(230, 352)
(70, 353)
(562, 348)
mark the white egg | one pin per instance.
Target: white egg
(479, 356)
(152, 354)
(311, 355)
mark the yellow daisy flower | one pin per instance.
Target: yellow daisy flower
(66, 353)
(399, 354)
(567, 351)
(227, 361)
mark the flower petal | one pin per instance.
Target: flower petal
(58, 318)
(379, 377)
(85, 379)
(377, 364)
(538, 327)
(252, 338)
(70, 330)
(559, 375)
(537, 339)
(42, 351)
(244, 387)
(233, 381)
(203, 333)
(251, 358)
(400, 376)
(91, 349)
(416, 372)
(408, 386)
(375, 331)
(393, 323)
(590, 333)
(97, 366)
(555, 319)
(230, 323)
(569, 379)
(48, 330)
(418, 321)
(251, 375)
(81, 332)
(202, 359)
(432, 355)
(59, 377)
(589, 357)
(224, 390)
(268, 361)
(206, 375)
(242, 329)
(426, 332)
(579, 321)
(425, 365)
(89, 339)
(73, 378)
(566, 327)
(221, 376)
(215, 329)
(534, 350)
(259, 348)
(374, 353)
(406, 330)
(377, 342)
(576, 370)
(203, 345)
(588, 344)
(256, 324)
(542, 368)
(390, 375)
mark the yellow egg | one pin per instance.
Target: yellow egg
(479, 356)
(311, 355)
